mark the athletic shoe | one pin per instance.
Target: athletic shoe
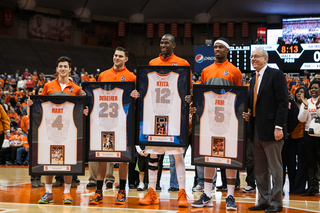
(182, 198)
(173, 189)
(46, 198)
(158, 187)
(204, 201)
(236, 188)
(74, 184)
(221, 188)
(150, 198)
(91, 184)
(140, 186)
(39, 183)
(230, 203)
(97, 198)
(248, 189)
(132, 186)
(109, 185)
(34, 183)
(121, 197)
(197, 188)
(57, 184)
(67, 199)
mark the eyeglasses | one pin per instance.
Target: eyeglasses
(256, 56)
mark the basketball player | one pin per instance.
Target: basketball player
(120, 73)
(166, 58)
(62, 84)
(221, 72)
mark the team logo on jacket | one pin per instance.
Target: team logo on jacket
(226, 72)
(174, 64)
(71, 90)
(123, 78)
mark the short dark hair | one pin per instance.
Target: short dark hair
(172, 38)
(63, 59)
(126, 52)
(305, 91)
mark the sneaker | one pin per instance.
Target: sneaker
(221, 188)
(230, 203)
(46, 198)
(74, 184)
(158, 187)
(34, 183)
(173, 189)
(39, 183)
(140, 186)
(248, 189)
(97, 198)
(197, 188)
(91, 184)
(121, 197)
(57, 184)
(132, 186)
(67, 199)
(182, 198)
(118, 187)
(109, 185)
(204, 201)
(236, 188)
(150, 198)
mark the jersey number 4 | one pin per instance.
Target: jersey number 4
(58, 122)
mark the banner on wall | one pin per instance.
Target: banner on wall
(47, 28)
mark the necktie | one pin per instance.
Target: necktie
(255, 95)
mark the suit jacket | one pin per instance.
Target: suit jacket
(271, 105)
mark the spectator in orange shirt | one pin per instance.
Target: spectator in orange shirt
(13, 114)
(92, 79)
(16, 141)
(25, 125)
(85, 77)
(35, 78)
(295, 87)
(23, 149)
(306, 81)
(1, 83)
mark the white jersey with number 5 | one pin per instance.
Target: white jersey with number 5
(219, 120)
(57, 127)
(162, 99)
(108, 115)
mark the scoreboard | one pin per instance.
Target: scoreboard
(239, 56)
(292, 57)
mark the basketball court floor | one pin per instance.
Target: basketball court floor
(17, 195)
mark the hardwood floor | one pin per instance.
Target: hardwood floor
(17, 195)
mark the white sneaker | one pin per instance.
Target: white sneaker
(248, 189)
(140, 187)
(197, 188)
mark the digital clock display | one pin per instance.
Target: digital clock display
(289, 48)
(292, 57)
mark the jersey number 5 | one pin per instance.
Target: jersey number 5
(219, 114)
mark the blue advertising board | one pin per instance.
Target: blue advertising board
(203, 57)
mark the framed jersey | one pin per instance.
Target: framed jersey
(111, 121)
(57, 135)
(219, 130)
(162, 110)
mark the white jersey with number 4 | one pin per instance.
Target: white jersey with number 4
(57, 127)
(162, 99)
(108, 115)
(219, 120)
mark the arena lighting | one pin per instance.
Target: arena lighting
(82, 13)
(202, 18)
(27, 4)
(137, 18)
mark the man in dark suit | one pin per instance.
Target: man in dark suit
(268, 102)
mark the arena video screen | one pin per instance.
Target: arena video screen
(301, 30)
